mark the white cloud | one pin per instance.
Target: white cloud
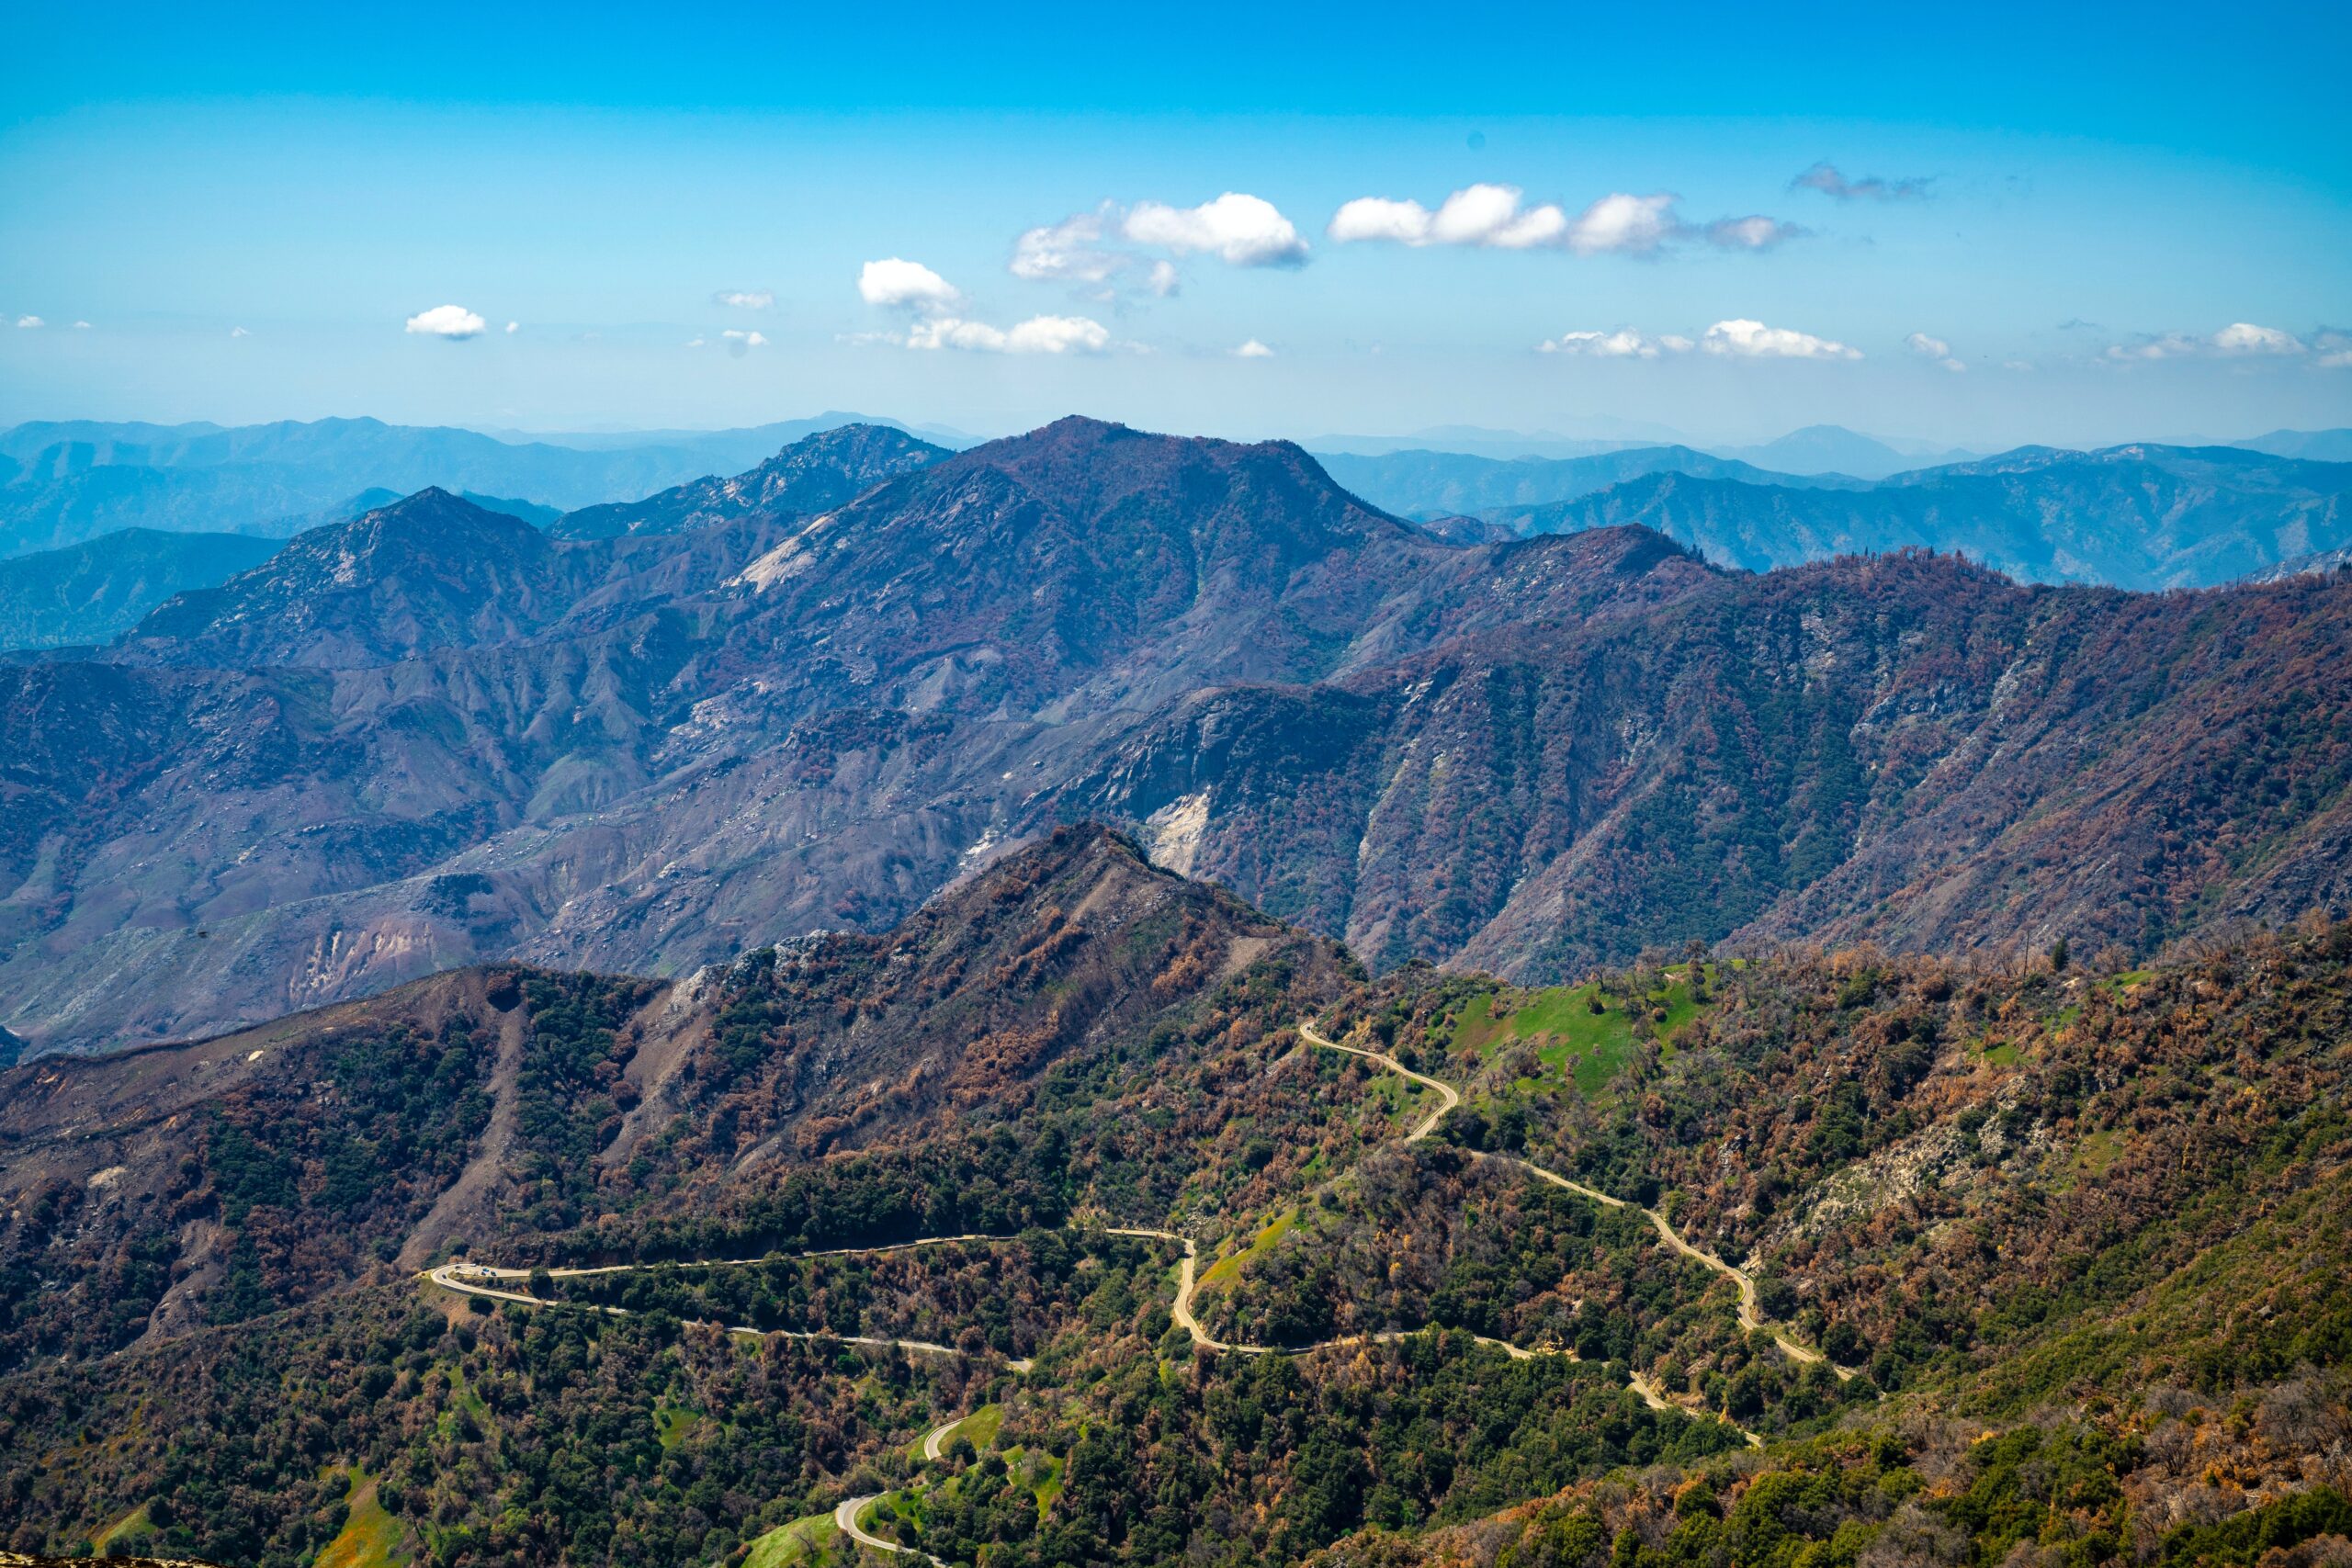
(81, 326)
(1379, 218)
(1934, 348)
(1241, 229)
(2244, 337)
(1103, 251)
(740, 343)
(2238, 340)
(1622, 222)
(935, 303)
(1038, 334)
(1823, 177)
(514, 327)
(1058, 335)
(696, 341)
(28, 322)
(2024, 366)
(910, 285)
(1754, 232)
(745, 299)
(1495, 216)
(452, 322)
(2171, 345)
(2334, 350)
(1487, 215)
(1068, 251)
(1742, 339)
(1622, 343)
(239, 332)
(1253, 349)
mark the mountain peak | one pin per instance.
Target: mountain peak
(429, 571)
(1077, 456)
(811, 475)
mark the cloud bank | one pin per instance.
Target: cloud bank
(1038, 334)
(1823, 177)
(2239, 340)
(1495, 216)
(1622, 343)
(1734, 339)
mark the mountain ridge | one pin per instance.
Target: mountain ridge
(667, 749)
(70, 480)
(2142, 517)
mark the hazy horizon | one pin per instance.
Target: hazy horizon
(2038, 229)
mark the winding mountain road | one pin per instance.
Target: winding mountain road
(1181, 1311)
(482, 1280)
(1750, 1317)
(1448, 1096)
(495, 1283)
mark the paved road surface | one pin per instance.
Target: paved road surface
(846, 1518)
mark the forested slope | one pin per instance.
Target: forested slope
(2072, 1236)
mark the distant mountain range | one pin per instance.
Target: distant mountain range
(2312, 445)
(436, 735)
(2138, 517)
(88, 593)
(1834, 449)
(69, 482)
(1592, 435)
(1424, 485)
(91, 591)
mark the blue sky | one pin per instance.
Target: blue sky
(2041, 224)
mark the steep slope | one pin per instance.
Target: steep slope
(812, 475)
(1084, 563)
(2146, 517)
(214, 1180)
(1910, 750)
(89, 593)
(2073, 1238)
(429, 571)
